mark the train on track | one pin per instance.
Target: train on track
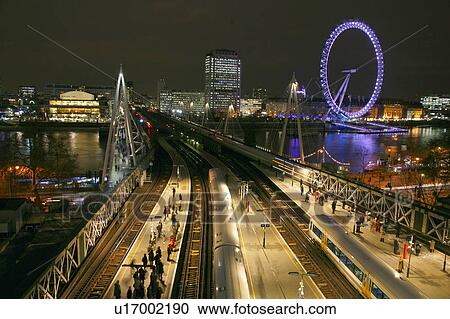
(366, 272)
(229, 276)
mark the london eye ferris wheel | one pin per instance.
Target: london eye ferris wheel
(335, 102)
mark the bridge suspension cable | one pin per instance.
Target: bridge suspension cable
(126, 144)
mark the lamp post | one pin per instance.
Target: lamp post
(293, 172)
(445, 241)
(301, 288)
(265, 225)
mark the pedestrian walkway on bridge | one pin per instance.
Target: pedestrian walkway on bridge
(426, 268)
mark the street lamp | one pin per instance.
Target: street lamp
(265, 225)
(293, 172)
(301, 288)
(445, 241)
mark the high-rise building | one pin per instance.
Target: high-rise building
(251, 106)
(222, 81)
(27, 94)
(436, 106)
(163, 97)
(187, 101)
(260, 93)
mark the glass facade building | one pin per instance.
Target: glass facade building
(436, 106)
(222, 81)
(27, 94)
(190, 102)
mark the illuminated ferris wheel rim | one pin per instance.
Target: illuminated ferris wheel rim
(347, 25)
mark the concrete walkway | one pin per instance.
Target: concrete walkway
(426, 272)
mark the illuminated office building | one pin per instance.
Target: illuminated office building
(27, 94)
(222, 81)
(436, 106)
(191, 102)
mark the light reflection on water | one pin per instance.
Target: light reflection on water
(345, 147)
(355, 148)
(85, 145)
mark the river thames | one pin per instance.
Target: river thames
(88, 145)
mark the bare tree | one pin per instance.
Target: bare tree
(40, 157)
(436, 168)
(363, 154)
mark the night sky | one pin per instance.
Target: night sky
(169, 39)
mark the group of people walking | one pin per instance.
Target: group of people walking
(152, 262)
(319, 196)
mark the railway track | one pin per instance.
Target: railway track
(193, 275)
(104, 261)
(292, 224)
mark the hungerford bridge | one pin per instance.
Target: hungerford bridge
(124, 168)
(127, 157)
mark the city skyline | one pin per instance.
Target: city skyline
(414, 68)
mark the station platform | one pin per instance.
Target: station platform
(426, 269)
(267, 268)
(182, 184)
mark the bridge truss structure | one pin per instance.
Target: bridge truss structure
(398, 206)
(126, 144)
(124, 168)
(51, 283)
(432, 223)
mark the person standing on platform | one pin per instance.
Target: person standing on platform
(158, 254)
(117, 291)
(174, 219)
(159, 229)
(160, 271)
(397, 229)
(333, 206)
(144, 261)
(169, 252)
(151, 257)
(129, 293)
(158, 293)
(149, 292)
(400, 265)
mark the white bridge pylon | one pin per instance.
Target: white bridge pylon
(126, 144)
(292, 108)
